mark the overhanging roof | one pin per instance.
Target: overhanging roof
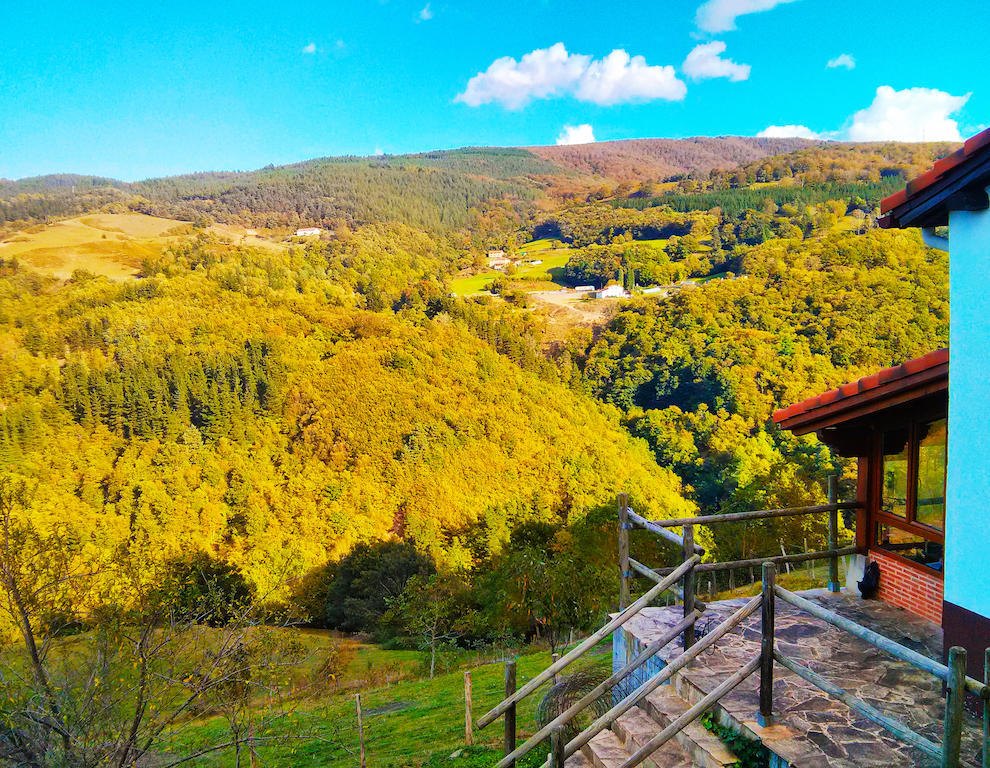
(957, 182)
(891, 386)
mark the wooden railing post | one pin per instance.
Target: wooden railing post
(510, 713)
(955, 698)
(689, 583)
(766, 645)
(557, 745)
(833, 534)
(625, 574)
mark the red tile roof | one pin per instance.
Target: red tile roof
(935, 173)
(868, 388)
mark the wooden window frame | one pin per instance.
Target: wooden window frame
(907, 523)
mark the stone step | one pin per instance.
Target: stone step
(635, 728)
(664, 706)
(578, 760)
(605, 750)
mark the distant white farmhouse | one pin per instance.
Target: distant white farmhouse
(308, 231)
(584, 288)
(610, 292)
(497, 259)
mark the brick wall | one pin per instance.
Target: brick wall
(910, 588)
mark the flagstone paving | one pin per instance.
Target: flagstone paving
(813, 730)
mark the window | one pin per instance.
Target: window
(910, 545)
(930, 504)
(895, 472)
(911, 505)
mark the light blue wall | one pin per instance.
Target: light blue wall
(967, 525)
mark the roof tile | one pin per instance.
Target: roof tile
(929, 177)
(976, 142)
(865, 384)
(894, 200)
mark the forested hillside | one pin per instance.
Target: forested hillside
(239, 401)
(655, 159)
(275, 404)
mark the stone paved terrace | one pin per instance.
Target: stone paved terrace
(812, 729)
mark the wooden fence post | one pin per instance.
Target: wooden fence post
(766, 646)
(955, 698)
(510, 713)
(554, 658)
(689, 583)
(468, 726)
(833, 534)
(625, 573)
(557, 744)
(360, 725)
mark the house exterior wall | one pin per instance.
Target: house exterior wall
(967, 540)
(908, 587)
(966, 610)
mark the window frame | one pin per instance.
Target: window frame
(908, 523)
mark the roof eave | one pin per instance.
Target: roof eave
(846, 409)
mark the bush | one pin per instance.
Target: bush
(353, 595)
(204, 589)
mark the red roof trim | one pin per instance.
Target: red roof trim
(932, 175)
(867, 387)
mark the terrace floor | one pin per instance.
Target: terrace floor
(812, 730)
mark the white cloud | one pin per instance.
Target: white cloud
(426, 14)
(620, 77)
(720, 15)
(311, 48)
(705, 61)
(913, 114)
(842, 60)
(788, 131)
(379, 151)
(576, 134)
(549, 72)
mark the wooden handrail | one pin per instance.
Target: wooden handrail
(565, 717)
(776, 559)
(858, 705)
(691, 714)
(895, 649)
(674, 666)
(588, 643)
(656, 576)
(660, 530)
(761, 514)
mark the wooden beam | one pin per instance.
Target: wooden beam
(588, 643)
(690, 715)
(589, 698)
(661, 530)
(759, 561)
(760, 514)
(672, 668)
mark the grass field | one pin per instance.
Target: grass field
(110, 244)
(407, 723)
(551, 252)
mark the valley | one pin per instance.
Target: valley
(279, 437)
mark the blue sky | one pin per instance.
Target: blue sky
(138, 90)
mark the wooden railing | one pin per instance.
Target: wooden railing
(957, 683)
(680, 580)
(507, 706)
